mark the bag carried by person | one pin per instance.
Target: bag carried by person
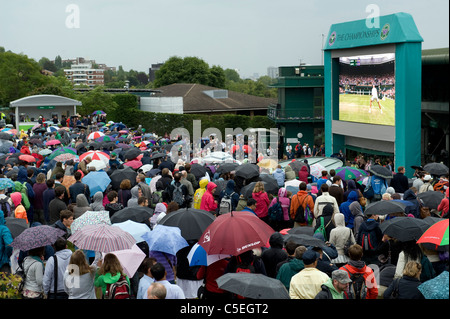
(118, 290)
(357, 289)
(303, 215)
(276, 212)
(348, 243)
(156, 198)
(225, 204)
(178, 195)
(322, 228)
(368, 240)
(5, 206)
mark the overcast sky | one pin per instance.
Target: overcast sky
(247, 35)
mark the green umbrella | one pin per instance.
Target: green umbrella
(62, 150)
(348, 173)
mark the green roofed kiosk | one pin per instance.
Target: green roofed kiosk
(373, 88)
(42, 104)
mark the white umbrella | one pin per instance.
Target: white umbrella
(145, 168)
(97, 164)
(316, 170)
(137, 230)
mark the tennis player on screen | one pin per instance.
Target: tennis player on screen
(374, 97)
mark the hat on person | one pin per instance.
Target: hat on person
(341, 276)
(309, 257)
(427, 177)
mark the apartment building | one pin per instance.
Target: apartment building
(83, 73)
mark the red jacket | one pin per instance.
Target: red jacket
(303, 174)
(262, 204)
(208, 202)
(371, 283)
(211, 273)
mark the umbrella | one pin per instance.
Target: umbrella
(384, 207)
(37, 236)
(118, 175)
(192, 222)
(348, 173)
(135, 164)
(145, 168)
(65, 157)
(198, 170)
(268, 163)
(217, 157)
(270, 180)
(105, 138)
(95, 155)
(53, 142)
(98, 112)
(157, 155)
(16, 225)
(97, 164)
(137, 230)
(95, 135)
(6, 183)
(437, 234)
(52, 129)
(90, 218)
(198, 257)
(235, 233)
(316, 170)
(5, 136)
(303, 239)
(431, 199)
(62, 150)
(97, 181)
(247, 171)
(436, 288)
(131, 153)
(45, 152)
(306, 230)
(404, 228)
(380, 171)
(226, 167)
(247, 190)
(166, 239)
(297, 165)
(255, 286)
(103, 238)
(130, 259)
(139, 214)
(27, 158)
(36, 141)
(436, 169)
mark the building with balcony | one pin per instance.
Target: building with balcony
(299, 111)
(84, 74)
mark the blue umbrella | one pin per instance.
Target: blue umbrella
(198, 257)
(97, 181)
(436, 288)
(166, 239)
(6, 183)
(137, 230)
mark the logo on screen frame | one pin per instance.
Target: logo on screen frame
(332, 38)
(385, 31)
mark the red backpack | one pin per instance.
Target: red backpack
(118, 290)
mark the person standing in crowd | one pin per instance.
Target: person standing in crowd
(59, 262)
(400, 181)
(406, 287)
(79, 277)
(335, 287)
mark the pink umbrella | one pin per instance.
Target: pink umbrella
(53, 142)
(133, 164)
(130, 259)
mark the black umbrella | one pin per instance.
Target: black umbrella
(305, 230)
(269, 179)
(303, 239)
(157, 155)
(247, 190)
(404, 228)
(198, 170)
(436, 169)
(192, 222)
(380, 171)
(297, 166)
(384, 207)
(221, 185)
(5, 136)
(131, 153)
(254, 286)
(431, 199)
(138, 214)
(16, 225)
(120, 174)
(36, 141)
(226, 167)
(247, 171)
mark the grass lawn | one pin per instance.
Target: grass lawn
(355, 108)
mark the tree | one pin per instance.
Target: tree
(232, 75)
(189, 70)
(19, 75)
(58, 62)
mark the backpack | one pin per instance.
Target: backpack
(156, 198)
(304, 215)
(357, 288)
(368, 239)
(177, 195)
(321, 229)
(276, 212)
(5, 206)
(440, 186)
(225, 204)
(118, 290)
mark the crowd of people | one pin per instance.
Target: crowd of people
(329, 210)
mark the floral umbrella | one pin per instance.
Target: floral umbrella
(38, 236)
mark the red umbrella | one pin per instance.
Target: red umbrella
(133, 164)
(27, 158)
(53, 142)
(235, 233)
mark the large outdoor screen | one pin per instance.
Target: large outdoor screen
(367, 89)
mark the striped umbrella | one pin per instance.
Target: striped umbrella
(95, 155)
(103, 238)
(65, 157)
(95, 135)
(437, 234)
